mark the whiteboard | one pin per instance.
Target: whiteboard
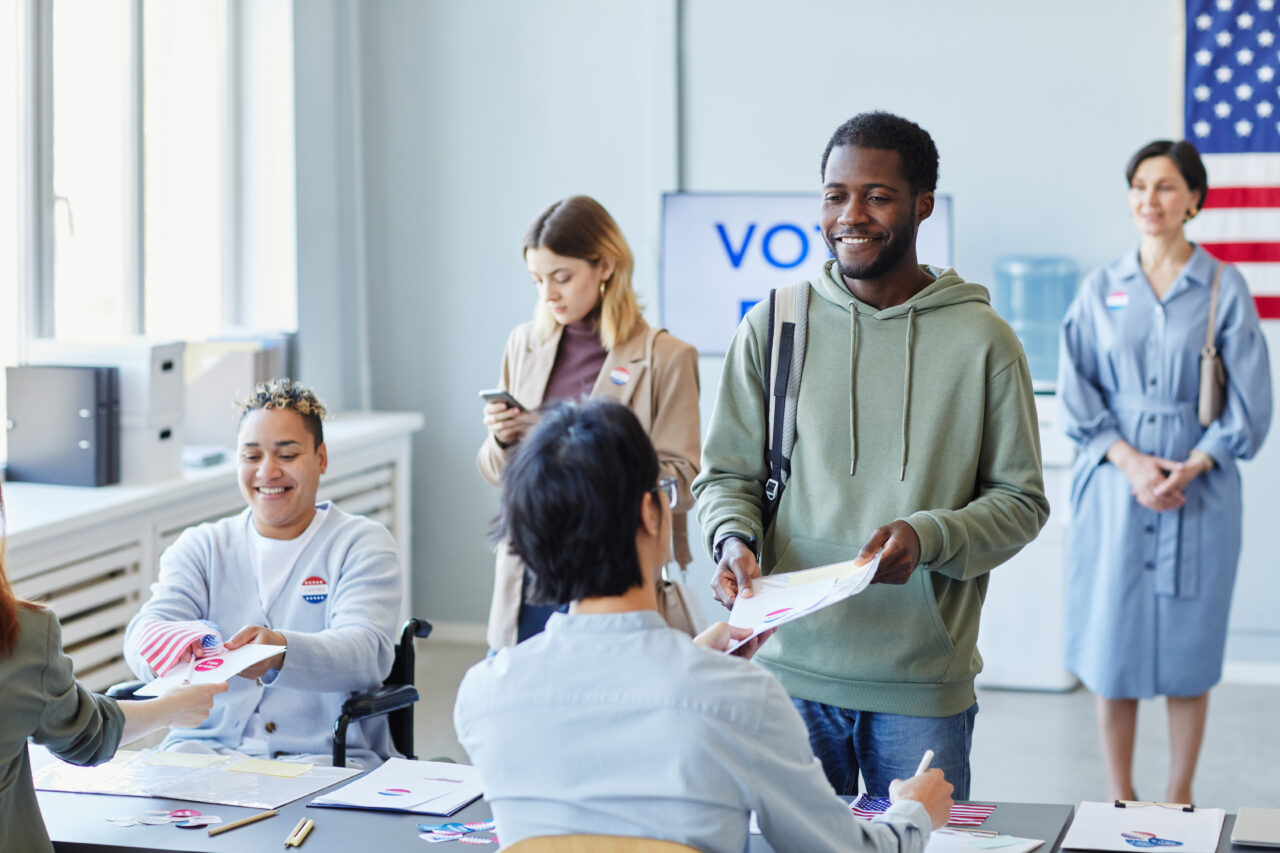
(724, 252)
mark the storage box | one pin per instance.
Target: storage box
(151, 451)
(151, 374)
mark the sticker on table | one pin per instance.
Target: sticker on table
(619, 376)
(1117, 299)
(1136, 838)
(315, 590)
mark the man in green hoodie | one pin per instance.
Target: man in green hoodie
(916, 437)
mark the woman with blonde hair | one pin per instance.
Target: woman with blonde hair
(43, 701)
(587, 339)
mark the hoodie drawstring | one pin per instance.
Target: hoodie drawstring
(853, 380)
(906, 391)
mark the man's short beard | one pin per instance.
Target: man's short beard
(892, 253)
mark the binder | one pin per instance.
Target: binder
(64, 425)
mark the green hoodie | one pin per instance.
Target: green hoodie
(921, 412)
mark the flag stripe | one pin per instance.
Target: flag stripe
(962, 814)
(1244, 252)
(1235, 225)
(1268, 307)
(1242, 197)
(1242, 170)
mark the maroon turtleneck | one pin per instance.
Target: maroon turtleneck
(579, 359)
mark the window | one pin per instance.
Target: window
(164, 202)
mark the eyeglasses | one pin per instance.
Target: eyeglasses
(671, 486)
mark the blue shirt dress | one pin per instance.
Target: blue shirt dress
(1148, 593)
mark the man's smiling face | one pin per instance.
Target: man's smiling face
(280, 468)
(868, 216)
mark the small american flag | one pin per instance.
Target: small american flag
(962, 814)
(1233, 117)
(164, 644)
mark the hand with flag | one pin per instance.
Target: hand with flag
(164, 645)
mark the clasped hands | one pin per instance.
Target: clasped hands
(896, 542)
(1157, 483)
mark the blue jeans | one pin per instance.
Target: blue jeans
(886, 746)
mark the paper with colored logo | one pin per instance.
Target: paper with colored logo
(1104, 826)
(782, 598)
(401, 785)
(212, 670)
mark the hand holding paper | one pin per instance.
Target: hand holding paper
(782, 598)
(212, 670)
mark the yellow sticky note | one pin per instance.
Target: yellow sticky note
(283, 769)
(182, 759)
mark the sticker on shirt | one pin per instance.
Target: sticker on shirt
(619, 376)
(1117, 299)
(315, 590)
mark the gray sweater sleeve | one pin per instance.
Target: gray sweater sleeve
(356, 651)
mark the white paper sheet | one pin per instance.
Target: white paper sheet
(948, 840)
(1102, 826)
(134, 775)
(212, 670)
(782, 598)
(401, 785)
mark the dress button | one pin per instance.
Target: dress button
(1151, 528)
(1153, 380)
(1150, 565)
(270, 727)
(1151, 419)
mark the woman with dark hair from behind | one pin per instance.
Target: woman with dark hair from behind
(43, 701)
(612, 723)
(1155, 499)
(587, 338)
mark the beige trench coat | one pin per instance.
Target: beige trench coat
(662, 391)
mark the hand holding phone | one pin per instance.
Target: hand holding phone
(505, 417)
(497, 395)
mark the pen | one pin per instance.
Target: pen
(924, 761)
(244, 822)
(191, 670)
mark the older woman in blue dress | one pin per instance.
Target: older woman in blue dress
(1155, 498)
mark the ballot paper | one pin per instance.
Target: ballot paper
(1104, 826)
(213, 669)
(946, 840)
(781, 598)
(401, 785)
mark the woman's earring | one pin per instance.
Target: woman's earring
(1191, 214)
(602, 290)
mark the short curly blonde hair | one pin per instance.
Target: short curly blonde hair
(284, 393)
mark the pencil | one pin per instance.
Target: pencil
(294, 831)
(925, 761)
(297, 840)
(253, 818)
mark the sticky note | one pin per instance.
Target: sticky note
(283, 769)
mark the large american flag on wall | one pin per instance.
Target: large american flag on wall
(1233, 117)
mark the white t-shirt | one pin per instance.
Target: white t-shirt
(273, 562)
(274, 559)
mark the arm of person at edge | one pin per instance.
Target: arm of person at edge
(675, 426)
(506, 426)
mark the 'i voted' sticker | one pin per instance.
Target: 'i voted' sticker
(206, 665)
(1117, 299)
(315, 590)
(1135, 838)
(619, 376)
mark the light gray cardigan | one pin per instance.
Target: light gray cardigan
(340, 627)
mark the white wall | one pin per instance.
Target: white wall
(478, 114)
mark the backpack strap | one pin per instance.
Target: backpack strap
(784, 363)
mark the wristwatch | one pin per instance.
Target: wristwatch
(717, 551)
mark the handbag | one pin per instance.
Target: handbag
(677, 605)
(1213, 376)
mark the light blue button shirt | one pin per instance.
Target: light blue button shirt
(616, 724)
(1149, 593)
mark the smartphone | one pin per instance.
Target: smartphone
(497, 395)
